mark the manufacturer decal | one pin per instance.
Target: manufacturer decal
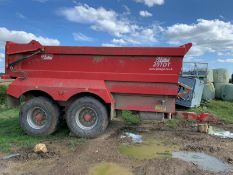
(47, 56)
(162, 63)
(160, 108)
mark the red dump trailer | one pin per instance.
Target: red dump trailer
(90, 84)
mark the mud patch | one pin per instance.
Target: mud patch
(35, 156)
(79, 158)
(166, 167)
(109, 169)
(203, 161)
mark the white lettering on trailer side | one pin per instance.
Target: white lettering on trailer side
(162, 63)
(47, 56)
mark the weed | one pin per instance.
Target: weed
(173, 123)
(130, 118)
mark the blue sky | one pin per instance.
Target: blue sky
(208, 24)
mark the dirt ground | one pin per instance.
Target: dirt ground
(61, 160)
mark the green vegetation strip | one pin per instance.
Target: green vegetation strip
(223, 110)
(2, 94)
(130, 118)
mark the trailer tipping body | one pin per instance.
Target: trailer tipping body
(123, 78)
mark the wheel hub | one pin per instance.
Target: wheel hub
(39, 118)
(36, 118)
(87, 117)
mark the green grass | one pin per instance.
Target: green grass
(179, 122)
(2, 94)
(223, 110)
(12, 137)
(130, 118)
(173, 123)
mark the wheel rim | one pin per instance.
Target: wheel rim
(37, 118)
(86, 118)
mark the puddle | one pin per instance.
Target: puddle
(109, 169)
(220, 132)
(136, 138)
(9, 156)
(203, 161)
(148, 149)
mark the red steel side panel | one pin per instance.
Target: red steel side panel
(119, 51)
(12, 48)
(152, 103)
(142, 88)
(128, 74)
(117, 68)
(60, 89)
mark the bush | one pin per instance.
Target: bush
(130, 118)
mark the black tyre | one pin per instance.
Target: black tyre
(39, 116)
(87, 117)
